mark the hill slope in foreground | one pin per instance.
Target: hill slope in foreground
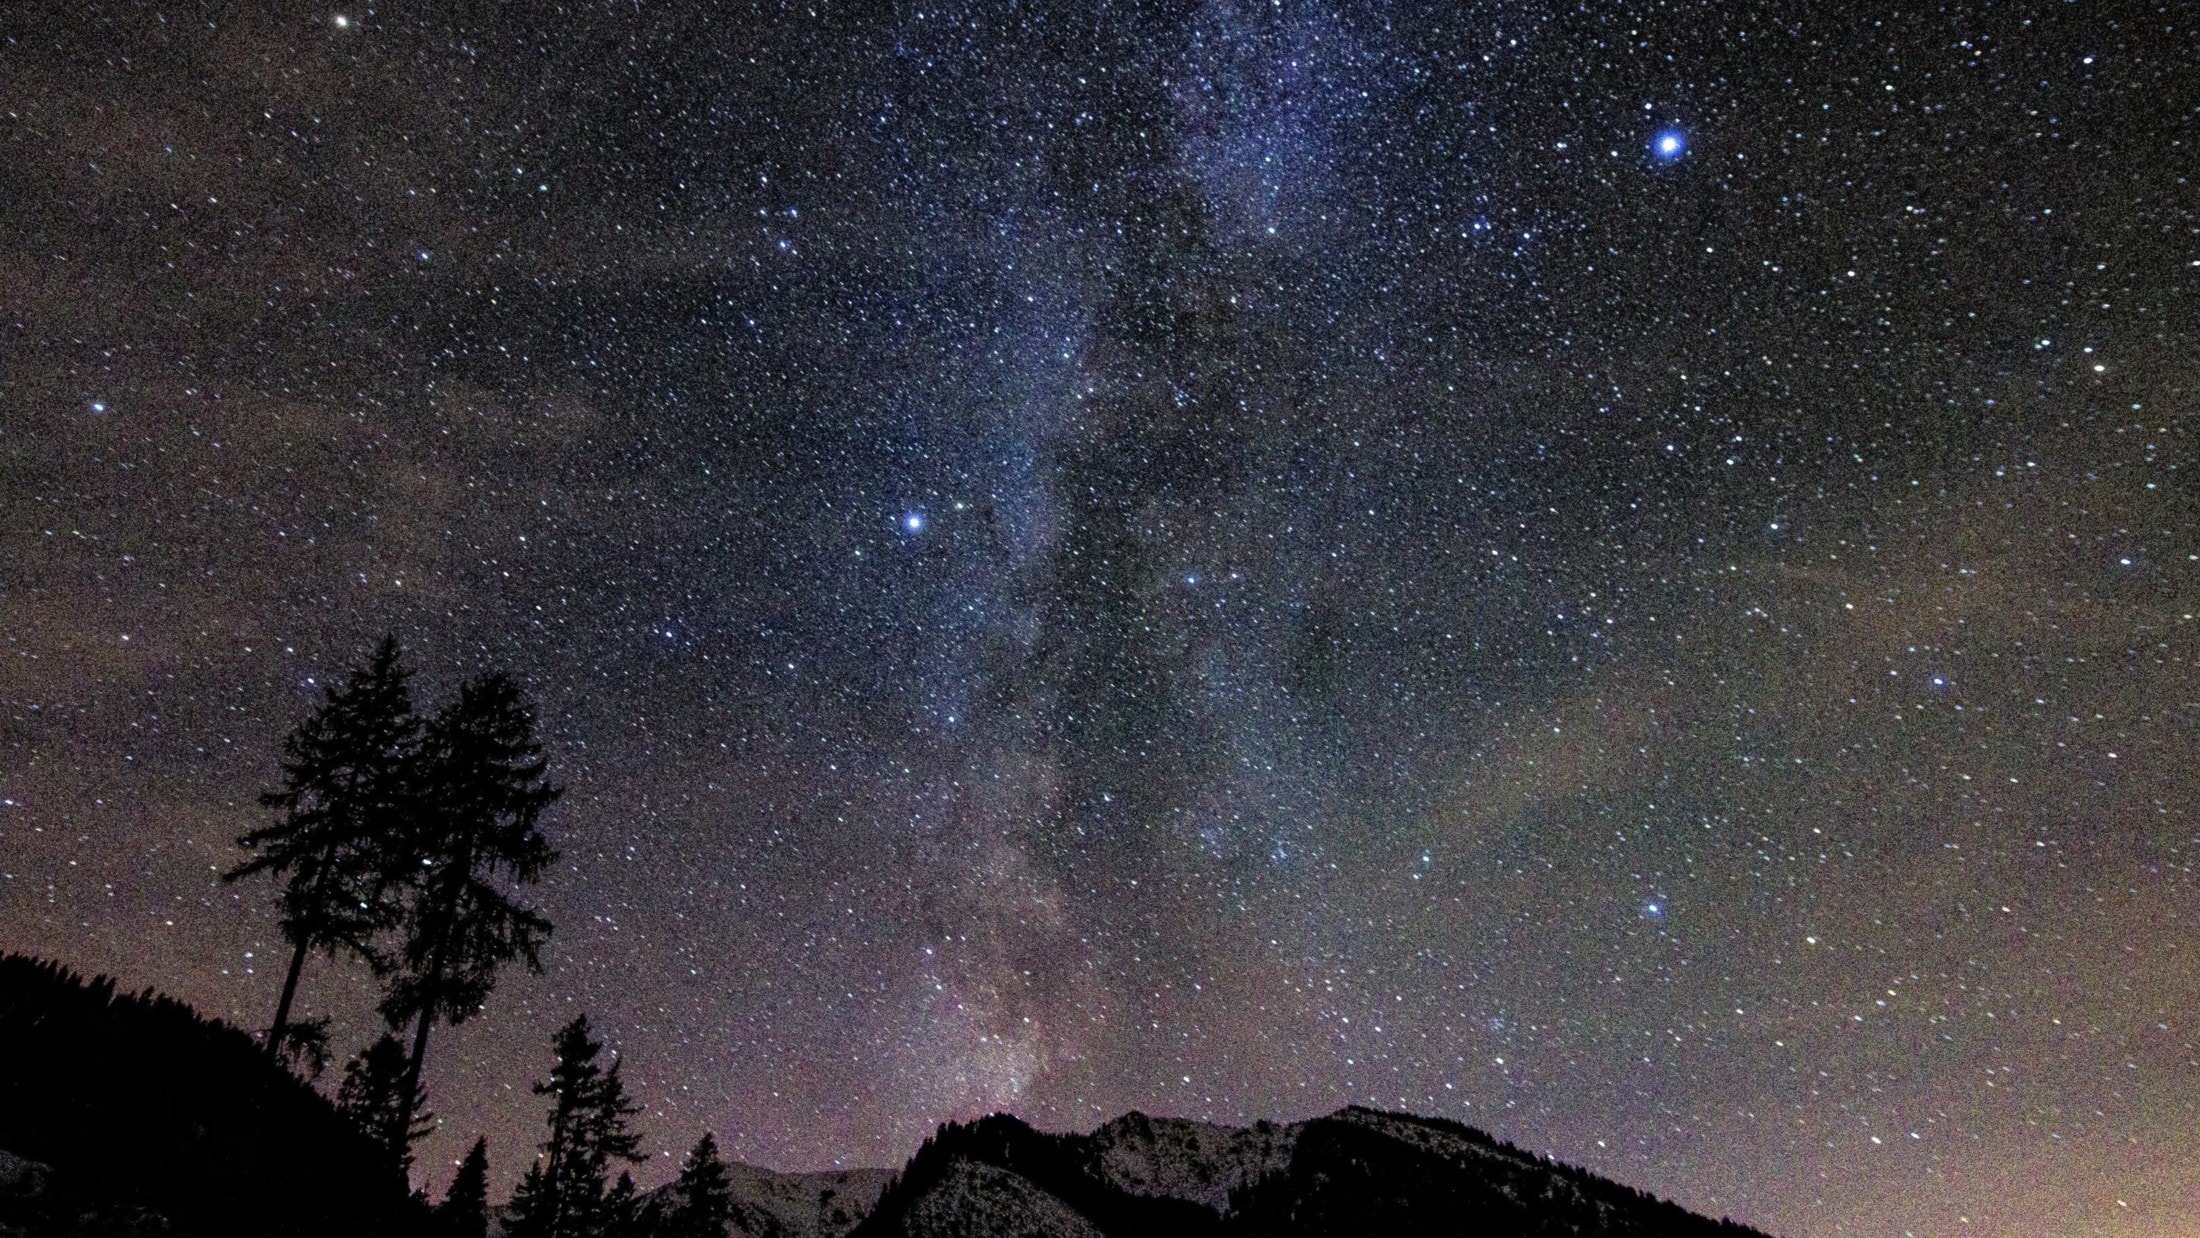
(130, 1114)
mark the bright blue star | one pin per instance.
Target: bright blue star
(912, 522)
(1669, 145)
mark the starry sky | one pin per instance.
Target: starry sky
(1621, 573)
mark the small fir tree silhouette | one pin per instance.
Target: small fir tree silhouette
(702, 1196)
(464, 1212)
(564, 1194)
(303, 1043)
(373, 1097)
(625, 1213)
(527, 1215)
(344, 799)
(481, 792)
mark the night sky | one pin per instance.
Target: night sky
(1625, 574)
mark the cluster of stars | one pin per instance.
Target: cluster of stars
(1225, 564)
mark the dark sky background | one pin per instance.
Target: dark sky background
(1225, 558)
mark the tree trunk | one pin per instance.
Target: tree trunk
(282, 1006)
(409, 1101)
(297, 962)
(550, 1186)
(430, 995)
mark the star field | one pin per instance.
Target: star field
(1623, 574)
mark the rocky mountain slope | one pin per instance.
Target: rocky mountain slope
(817, 1205)
(1357, 1171)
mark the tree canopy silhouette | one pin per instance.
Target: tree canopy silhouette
(565, 1193)
(344, 797)
(702, 1196)
(464, 1212)
(373, 1096)
(480, 793)
(626, 1211)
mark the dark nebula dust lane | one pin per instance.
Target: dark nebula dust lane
(1625, 574)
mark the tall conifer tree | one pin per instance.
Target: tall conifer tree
(565, 1193)
(482, 791)
(344, 798)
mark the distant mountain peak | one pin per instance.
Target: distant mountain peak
(1355, 1171)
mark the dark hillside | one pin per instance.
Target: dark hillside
(1366, 1171)
(155, 1119)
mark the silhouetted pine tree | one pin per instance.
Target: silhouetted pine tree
(373, 1097)
(302, 1044)
(625, 1213)
(481, 792)
(344, 796)
(527, 1215)
(564, 1194)
(702, 1196)
(464, 1212)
